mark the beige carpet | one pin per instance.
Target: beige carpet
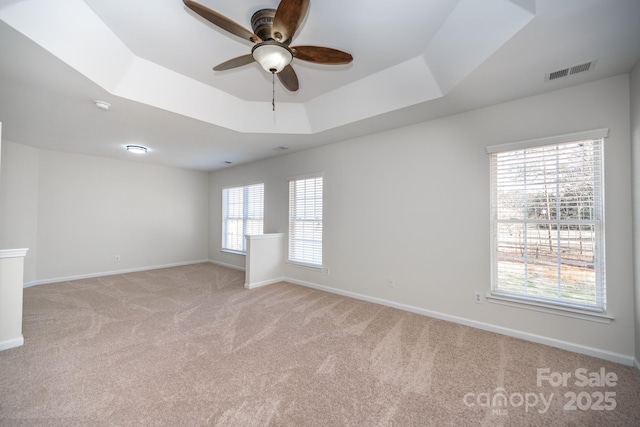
(190, 346)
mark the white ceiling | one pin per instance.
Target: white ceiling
(152, 60)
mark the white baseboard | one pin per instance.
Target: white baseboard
(263, 283)
(14, 342)
(636, 364)
(222, 264)
(564, 345)
(110, 273)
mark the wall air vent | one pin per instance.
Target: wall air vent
(569, 71)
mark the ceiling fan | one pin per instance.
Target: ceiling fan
(272, 33)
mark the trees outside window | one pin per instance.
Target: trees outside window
(547, 224)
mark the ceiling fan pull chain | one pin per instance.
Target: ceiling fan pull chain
(273, 93)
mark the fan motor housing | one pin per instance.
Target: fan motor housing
(262, 24)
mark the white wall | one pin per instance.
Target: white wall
(412, 204)
(19, 202)
(635, 144)
(75, 213)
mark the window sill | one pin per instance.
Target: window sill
(546, 308)
(307, 266)
(229, 251)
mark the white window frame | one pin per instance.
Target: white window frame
(305, 237)
(245, 217)
(590, 311)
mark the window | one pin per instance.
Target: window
(305, 221)
(242, 213)
(547, 218)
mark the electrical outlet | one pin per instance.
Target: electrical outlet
(477, 297)
(116, 258)
(327, 271)
(390, 282)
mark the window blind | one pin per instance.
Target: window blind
(242, 214)
(547, 217)
(305, 221)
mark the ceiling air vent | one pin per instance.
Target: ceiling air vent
(558, 74)
(569, 71)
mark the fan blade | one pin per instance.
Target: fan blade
(322, 55)
(234, 63)
(289, 15)
(222, 21)
(288, 78)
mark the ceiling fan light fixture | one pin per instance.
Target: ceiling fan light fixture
(272, 56)
(137, 149)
